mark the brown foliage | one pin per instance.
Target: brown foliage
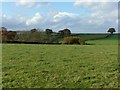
(11, 35)
(73, 40)
(8, 35)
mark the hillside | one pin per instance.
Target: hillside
(90, 36)
(112, 40)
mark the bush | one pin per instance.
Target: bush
(73, 40)
(40, 37)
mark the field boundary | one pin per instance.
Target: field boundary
(23, 42)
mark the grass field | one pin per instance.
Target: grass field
(90, 36)
(58, 66)
(113, 40)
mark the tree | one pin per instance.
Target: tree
(3, 33)
(65, 32)
(48, 31)
(111, 30)
(11, 35)
(3, 29)
(33, 30)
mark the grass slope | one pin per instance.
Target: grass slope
(113, 40)
(53, 66)
(89, 36)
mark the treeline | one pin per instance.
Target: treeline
(48, 36)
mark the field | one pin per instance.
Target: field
(60, 66)
(113, 40)
(91, 36)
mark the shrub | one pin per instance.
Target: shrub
(73, 40)
(82, 42)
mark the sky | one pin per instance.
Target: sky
(80, 16)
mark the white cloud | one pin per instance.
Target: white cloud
(117, 21)
(18, 22)
(83, 2)
(94, 4)
(101, 17)
(6, 16)
(12, 22)
(90, 2)
(34, 20)
(63, 16)
(26, 3)
(101, 12)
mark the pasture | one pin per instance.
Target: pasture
(113, 40)
(59, 66)
(90, 36)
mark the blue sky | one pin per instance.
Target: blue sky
(79, 17)
(11, 8)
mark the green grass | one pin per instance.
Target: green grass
(1, 66)
(113, 40)
(89, 36)
(57, 66)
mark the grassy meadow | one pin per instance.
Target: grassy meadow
(61, 66)
(91, 36)
(113, 40)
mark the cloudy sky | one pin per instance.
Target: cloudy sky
(81, 16)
